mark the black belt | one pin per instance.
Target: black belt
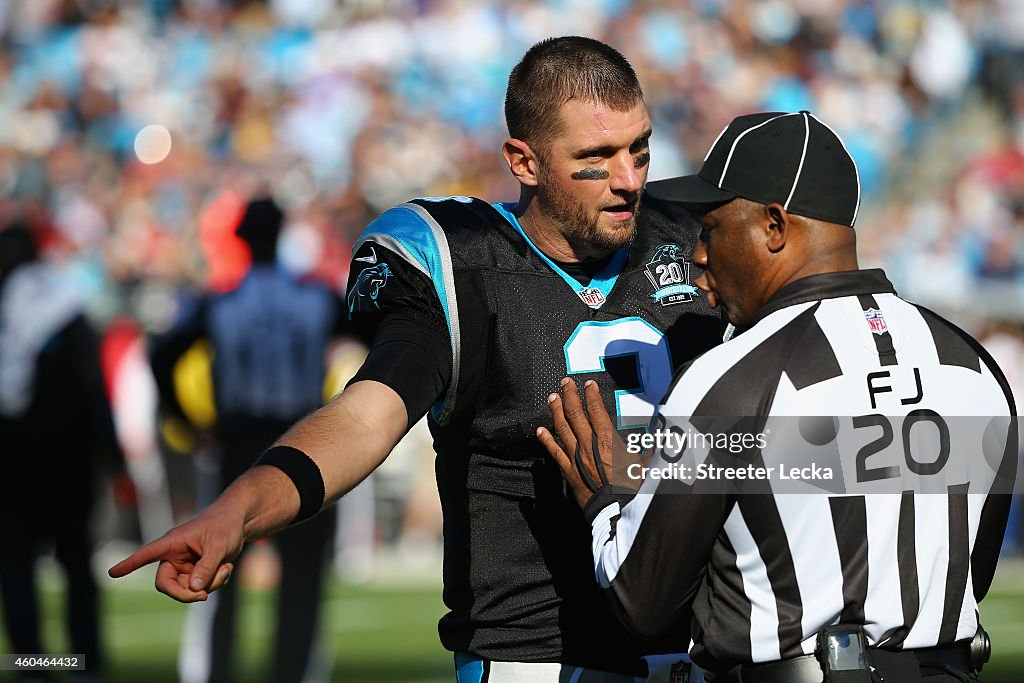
(806, 669)
(956, 656)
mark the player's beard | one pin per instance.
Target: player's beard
(577, 223)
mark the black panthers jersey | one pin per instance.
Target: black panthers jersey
(518, 573)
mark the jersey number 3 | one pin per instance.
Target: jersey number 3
(594, 341)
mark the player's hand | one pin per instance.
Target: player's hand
(594, 453)
(195, 558)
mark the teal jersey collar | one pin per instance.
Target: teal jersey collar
(594, 294)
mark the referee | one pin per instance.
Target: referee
(852, 584)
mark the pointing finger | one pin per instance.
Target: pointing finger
(151, 552)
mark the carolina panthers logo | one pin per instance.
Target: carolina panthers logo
(666, 252)
(670, 275)
(367, 287)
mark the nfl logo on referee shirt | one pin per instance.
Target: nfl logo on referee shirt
(670, 275)
(680, 673)
(876, 321)
(591, 296)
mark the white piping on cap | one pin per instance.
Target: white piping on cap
(721, 181)
(712, 147)
(803, 155)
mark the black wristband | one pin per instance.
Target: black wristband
(303, 472)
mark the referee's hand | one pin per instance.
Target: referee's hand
(594, 454)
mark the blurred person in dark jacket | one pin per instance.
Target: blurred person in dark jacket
(58, 437)
(270, 340)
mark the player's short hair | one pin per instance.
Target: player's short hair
(557, 70)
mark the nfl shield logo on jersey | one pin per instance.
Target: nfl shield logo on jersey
(670, 275)
(672, 668)
(591, 296)
(876, 321)
(680, 673)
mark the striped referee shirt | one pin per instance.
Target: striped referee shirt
(763, 572)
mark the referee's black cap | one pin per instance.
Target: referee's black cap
(790, 158)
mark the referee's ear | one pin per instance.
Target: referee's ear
(777, 225)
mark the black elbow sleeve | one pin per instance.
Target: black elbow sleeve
(411, 358)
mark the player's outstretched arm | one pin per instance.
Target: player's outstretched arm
(347, 439)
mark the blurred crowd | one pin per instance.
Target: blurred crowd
(132, 129)
(132, 132)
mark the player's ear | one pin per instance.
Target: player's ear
(521, 161)
(777, 224)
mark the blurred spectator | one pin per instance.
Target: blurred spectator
(269, 338)
(58, 435)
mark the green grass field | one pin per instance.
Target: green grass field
(383, 633)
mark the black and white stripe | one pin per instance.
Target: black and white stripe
(765, 572)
